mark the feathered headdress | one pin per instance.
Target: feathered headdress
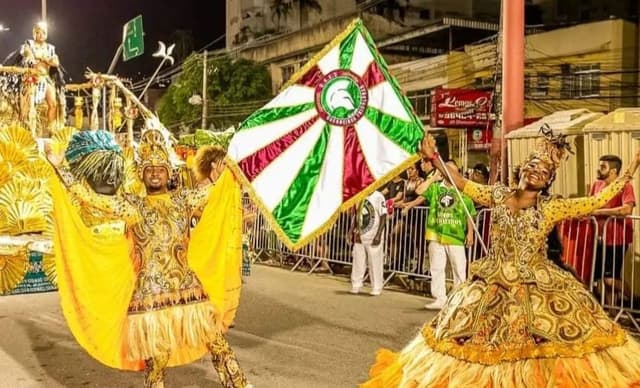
(551, 149)
(152, 151)
(96, 157)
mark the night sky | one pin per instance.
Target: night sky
(86, 33)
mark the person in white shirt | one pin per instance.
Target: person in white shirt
(368, 234)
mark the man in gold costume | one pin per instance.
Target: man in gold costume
(519, 320)
(41, 56)
(154, 298)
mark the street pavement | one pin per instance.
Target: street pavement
(293, 331)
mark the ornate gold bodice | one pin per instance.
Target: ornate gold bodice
(158, 226)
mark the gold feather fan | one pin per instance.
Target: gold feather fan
(62, 137)
(15, 156)
(19, 136)
(26, 190)
(14, 263)
(22, 217)
(36, 169)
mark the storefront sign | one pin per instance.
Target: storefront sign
(460, 108)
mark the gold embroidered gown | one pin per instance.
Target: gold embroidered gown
(163, 289)
(518, 321)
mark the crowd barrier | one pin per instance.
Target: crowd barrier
(406, 253)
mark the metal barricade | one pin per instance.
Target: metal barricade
(579, 238)
(616, 273)
(405, 245)
(483, 224)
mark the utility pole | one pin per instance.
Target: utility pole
(511, 104)
(204, 90)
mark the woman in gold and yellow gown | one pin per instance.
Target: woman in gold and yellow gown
(519, 320)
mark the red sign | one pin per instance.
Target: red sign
(479, 138)
(460, 108)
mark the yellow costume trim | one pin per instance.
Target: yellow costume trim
(361, 196)
(215, 248)
(418, 365)
(183, 331)
(483, 354)
(95, 283)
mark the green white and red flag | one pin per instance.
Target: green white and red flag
(339, 129)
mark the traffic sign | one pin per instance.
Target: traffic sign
(132, 39)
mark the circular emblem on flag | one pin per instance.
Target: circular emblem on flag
(341, 98)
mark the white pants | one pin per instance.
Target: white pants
(438, 254)
(374, 256)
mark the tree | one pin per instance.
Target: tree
(235, 88)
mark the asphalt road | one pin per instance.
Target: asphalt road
(293, 330)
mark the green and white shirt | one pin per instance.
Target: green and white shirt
(447, 219)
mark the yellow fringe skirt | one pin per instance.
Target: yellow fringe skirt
(182, 331)
(418, 366)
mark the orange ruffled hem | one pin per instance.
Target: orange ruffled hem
(419, 366)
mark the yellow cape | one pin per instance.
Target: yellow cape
(96, 277)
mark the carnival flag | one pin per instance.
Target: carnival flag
(339, 128)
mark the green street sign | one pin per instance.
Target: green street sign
(132, 39)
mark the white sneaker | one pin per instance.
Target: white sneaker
(355, 290)
(375, 292)
(435, 305)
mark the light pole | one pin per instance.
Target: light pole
(44, 10)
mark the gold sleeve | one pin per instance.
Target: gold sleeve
(480, 194)
(561, 209)
(113, 207)
(196, 199)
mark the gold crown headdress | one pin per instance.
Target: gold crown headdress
(152, 151)
(551, 149)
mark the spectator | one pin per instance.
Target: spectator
(480, 174)
(449, 229)
(407, 230)
(367, 234)
(619, 232)
(394, 190)
(394, 193)
(432, 176)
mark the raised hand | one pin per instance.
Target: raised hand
(428, 146)
(54, 158)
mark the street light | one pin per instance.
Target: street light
(3, 28)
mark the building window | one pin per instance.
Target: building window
(421, 101)
(580, 81)
(287, 72)
(542, 84)
(587, 80)
(566, 86)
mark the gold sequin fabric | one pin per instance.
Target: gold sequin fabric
(516, 304)
(161, 239)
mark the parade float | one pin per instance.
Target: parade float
(102, 102)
